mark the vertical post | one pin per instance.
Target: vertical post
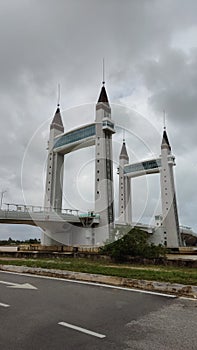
(170, 224)
(125, 216)
(54, 173)
(104, 191)
(2, 194)
(55, 161)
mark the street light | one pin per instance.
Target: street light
(2, 194)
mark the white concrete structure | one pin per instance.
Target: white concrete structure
(99, 134)
(125, 215)
(95, 227)
(172, 237)
(54, 173)
(104, 191)
(167, 233)
(55, 166)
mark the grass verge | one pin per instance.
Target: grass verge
(155, 273)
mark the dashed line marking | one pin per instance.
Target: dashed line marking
(187, 298)
(83, 330)
(4, 305)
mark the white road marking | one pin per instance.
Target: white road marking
(93, 284)
(4, 305)
(185, 298)
(83, 330)
(17, 285)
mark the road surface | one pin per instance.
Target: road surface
(39, 313)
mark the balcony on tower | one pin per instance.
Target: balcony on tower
(171, 159)
(90, 218)
(108, 125)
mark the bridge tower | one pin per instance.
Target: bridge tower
(125, 216)
(171, 233)
(54, 172)
(104, 191)
(55, 162)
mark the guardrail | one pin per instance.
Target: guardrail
(23, 208)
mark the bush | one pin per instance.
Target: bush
(133, 244)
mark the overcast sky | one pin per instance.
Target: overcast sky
(150, 52)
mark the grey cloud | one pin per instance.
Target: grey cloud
(172, 82)
(43, 43)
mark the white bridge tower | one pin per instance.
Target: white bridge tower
(170, 221)
(98, 133)
(54, 172)
(125, 215)
(168, 233)
(104, 191)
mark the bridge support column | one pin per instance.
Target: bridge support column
(125, 213)
(104, 191)
(46, 240)
(54, 173)
(170, 224)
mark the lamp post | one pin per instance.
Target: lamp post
(2, 194)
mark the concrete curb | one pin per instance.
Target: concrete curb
(188, 291)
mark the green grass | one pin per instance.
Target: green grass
(156, 273)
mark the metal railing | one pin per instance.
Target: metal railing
(23, 208)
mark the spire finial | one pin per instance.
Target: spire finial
(164, 119)
(123, 135)
(58, 95)
(123, 153)
(103, 71)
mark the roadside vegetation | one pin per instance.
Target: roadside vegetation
(154, 273)
(10, 241)
(133, 244)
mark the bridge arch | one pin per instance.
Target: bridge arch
(169, 229)
(99, 134)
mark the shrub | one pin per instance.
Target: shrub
(133, 244)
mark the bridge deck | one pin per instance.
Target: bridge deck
(32, 215)
(36, 215)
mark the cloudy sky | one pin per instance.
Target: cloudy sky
(150, 51)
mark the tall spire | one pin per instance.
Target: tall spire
(164, 119)
(165, 141)
(103, 71)
(123, 153)
(58, 95)
(103, 94)
(57, 119)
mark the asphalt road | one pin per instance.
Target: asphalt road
(65, 315)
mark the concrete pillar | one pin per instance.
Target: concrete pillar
(125, 214)
(54, 173)
(104, 191)
(170, 224)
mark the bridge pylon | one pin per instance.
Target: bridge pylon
(170, 223)
(104, 189)
(54, 173)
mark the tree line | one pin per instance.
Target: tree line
(11, 241)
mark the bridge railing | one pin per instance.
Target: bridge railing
(23, 208)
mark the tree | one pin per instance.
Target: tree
(10, 240)
(133, 244)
